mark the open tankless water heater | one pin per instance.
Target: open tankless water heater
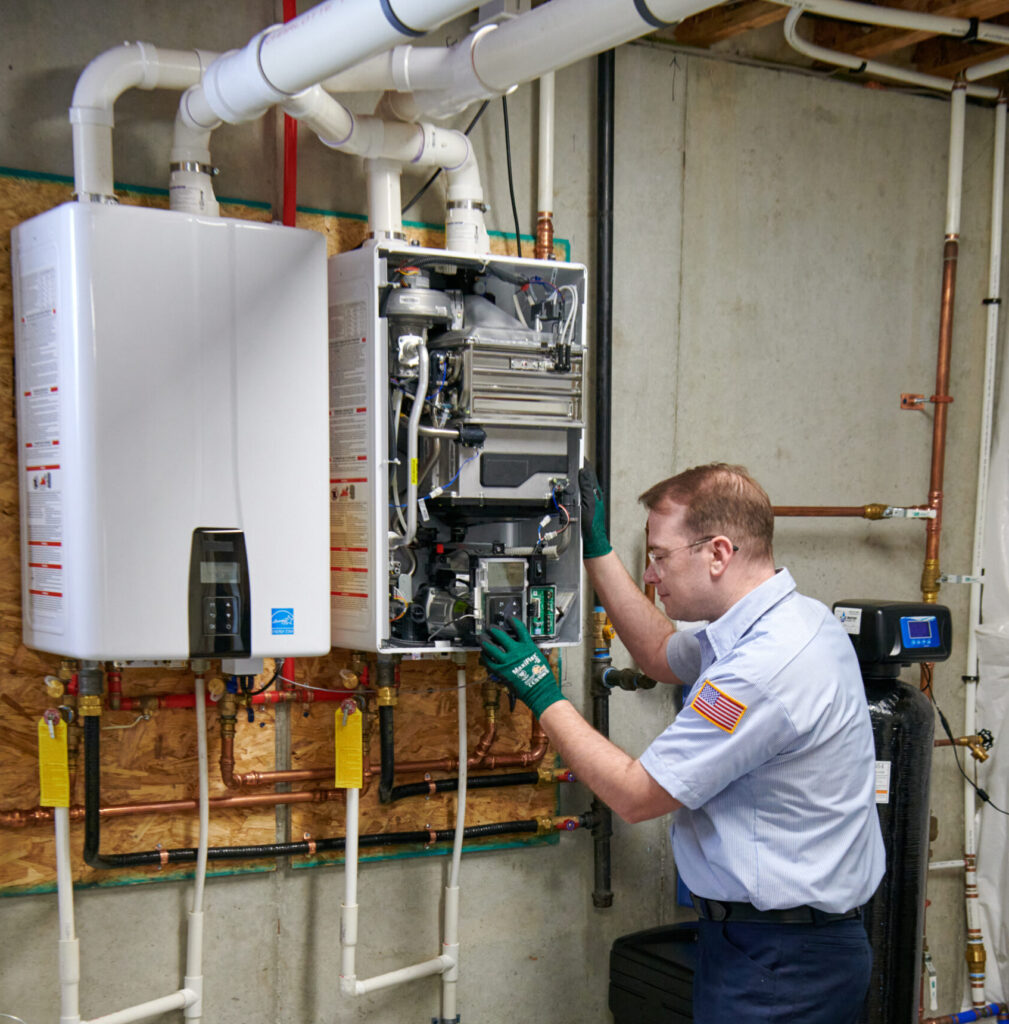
(172, 439)
(456, 436)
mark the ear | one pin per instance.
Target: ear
(722, 551)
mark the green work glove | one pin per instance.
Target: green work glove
(595, 543)
(520, 663)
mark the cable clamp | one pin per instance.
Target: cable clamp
(895, 512)
(991, 302)
(971, 34)
(861, 68)
(946, 577)
(970, 679)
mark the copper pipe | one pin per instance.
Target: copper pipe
(941, 400)
(544, 235)
(44, 815)
(855, 511)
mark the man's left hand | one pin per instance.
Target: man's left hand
(521, 664)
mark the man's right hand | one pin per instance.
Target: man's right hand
(595, 543)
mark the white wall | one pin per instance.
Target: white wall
(778, 261)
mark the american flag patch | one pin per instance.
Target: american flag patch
(717, 707)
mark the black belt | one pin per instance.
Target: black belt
(721, 910)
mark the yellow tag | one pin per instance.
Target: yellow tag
(413, 472)
(54, 775)
(349, 755)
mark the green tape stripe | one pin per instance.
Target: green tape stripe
(256, 204)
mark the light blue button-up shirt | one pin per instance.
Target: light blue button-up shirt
(772, 757)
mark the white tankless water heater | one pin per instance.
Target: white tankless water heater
(172, 435)
(457, 433)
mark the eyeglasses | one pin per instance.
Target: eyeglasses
(656, 558)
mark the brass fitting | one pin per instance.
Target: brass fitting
(349, 679)
(491, 700)
(973, 743)
(148, 705)
(547, 775)
(54, 687)
(930, 581)
(544, 826)
(602, 630)
(386, 697)
(874, 511)
(975, 957)
(67, 668)
(227, 709)
(89, 706)
(216, 688)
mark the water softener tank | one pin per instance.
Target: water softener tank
(887, 636)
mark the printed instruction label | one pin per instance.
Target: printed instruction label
(41, 457)
(850, 619)
(882, 782)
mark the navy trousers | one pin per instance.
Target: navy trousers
(758, 973)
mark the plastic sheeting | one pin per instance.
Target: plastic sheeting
(993, 707)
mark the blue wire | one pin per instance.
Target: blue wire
(445, 487)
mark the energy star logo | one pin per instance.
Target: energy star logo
(282, 621)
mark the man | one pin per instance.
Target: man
(769, 767)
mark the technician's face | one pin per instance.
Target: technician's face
(677, 563)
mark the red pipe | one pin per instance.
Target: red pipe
(290, 152)
(188, 700)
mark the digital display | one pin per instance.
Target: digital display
(506, 575)
(219, 572)
(918, 631)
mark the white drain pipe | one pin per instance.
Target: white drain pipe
(69, 945)
(447, 964)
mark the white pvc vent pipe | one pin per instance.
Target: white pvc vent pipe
(103, 81)
(283, 60)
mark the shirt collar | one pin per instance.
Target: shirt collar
(720, 636)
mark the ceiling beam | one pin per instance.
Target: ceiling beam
(878, 41)
(948, 57)
(724, 22)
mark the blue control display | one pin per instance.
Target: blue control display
(917, 631)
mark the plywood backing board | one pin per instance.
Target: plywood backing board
(153, 759)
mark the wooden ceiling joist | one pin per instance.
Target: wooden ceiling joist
(724, 22)
(875, 42)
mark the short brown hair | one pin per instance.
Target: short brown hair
(720, 499)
